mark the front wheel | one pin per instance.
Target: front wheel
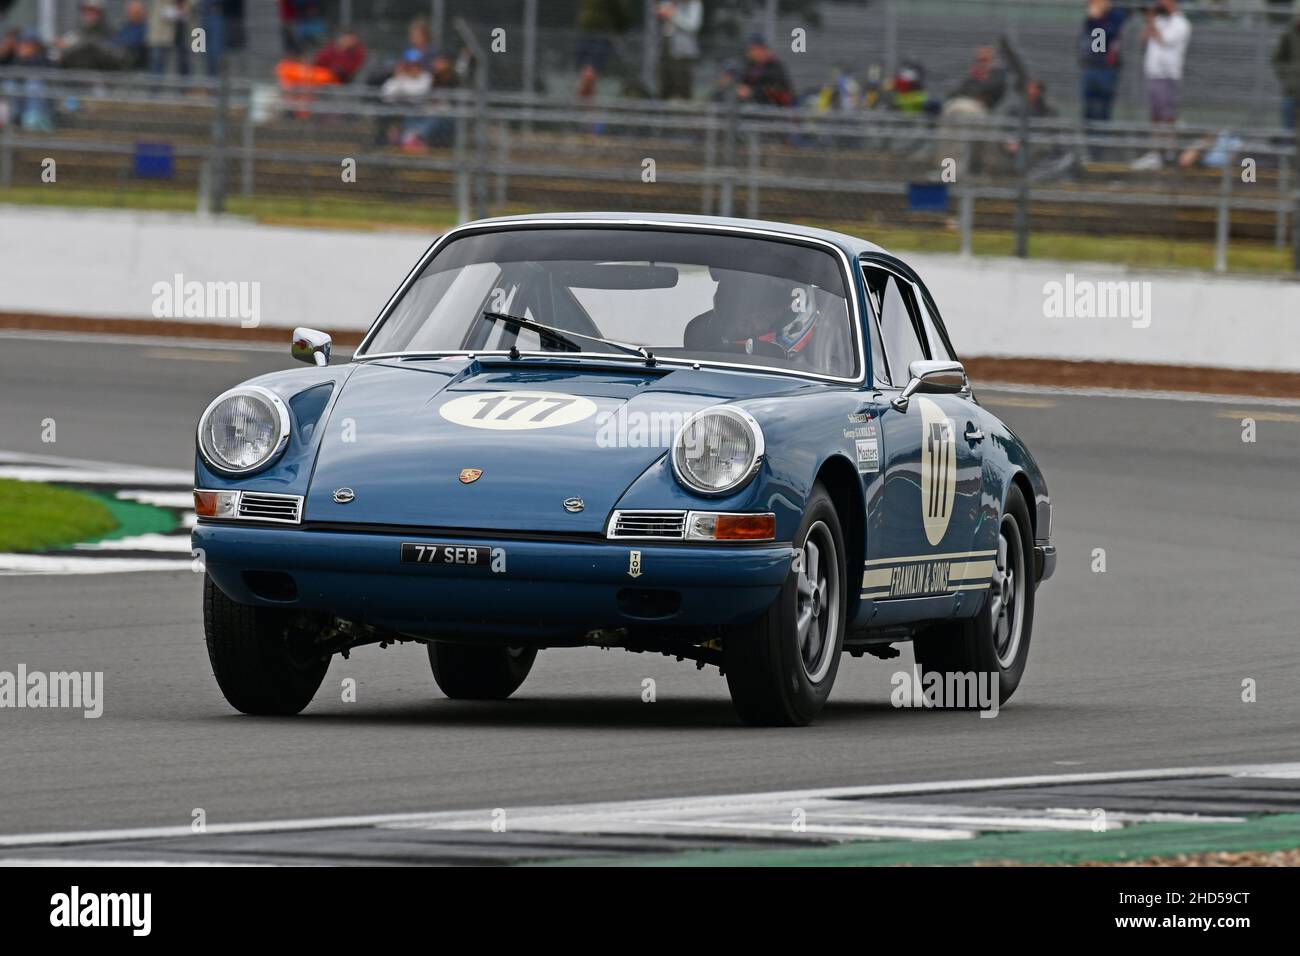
(479, 672)
(256, 664)
(996, 640)
(781, 667)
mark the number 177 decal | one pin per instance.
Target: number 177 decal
(517, 411)
(938, 470)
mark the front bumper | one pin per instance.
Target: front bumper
(1044, 561)
(556, 587)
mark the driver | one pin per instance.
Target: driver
(752, 314)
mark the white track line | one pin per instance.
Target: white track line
(624, 809)
(166, 543)
(180, 500)
(11, 564)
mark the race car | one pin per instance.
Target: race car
(745, 444)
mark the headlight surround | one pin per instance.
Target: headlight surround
(243, 430)
(717, 450)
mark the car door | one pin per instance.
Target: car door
(929, 500)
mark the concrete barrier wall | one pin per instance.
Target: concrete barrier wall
(108, 263)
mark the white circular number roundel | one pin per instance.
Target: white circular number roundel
(938, 470)
(517, 411)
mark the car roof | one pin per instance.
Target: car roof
(850, 244)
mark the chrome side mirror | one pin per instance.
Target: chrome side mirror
(935, 377)
(310, 346)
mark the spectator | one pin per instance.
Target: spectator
(1045, 160)
(764, 81)
(444, 72)
(986, 82)
(1099, 48)
(90, 46)
(1167, 34)
(169, 30)
(343, 56)
(302, 25)
(907, 92)
(30, 104)
(212, 18)
(9, 46)
(680, 27)
(599, 21)
(969, 108)
(1212, 152)
(1286, 63)
(842, 94)
(132, 38)
(419, 39)
(411, 83)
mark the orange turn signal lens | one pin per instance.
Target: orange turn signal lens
(717, 526)
(745, 527)
(215, 504)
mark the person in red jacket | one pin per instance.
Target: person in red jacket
(343, 56)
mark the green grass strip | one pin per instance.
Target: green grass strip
(1134, 842)
(134, 518)
(36, 517)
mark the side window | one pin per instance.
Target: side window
(938, 347)
(898, 330)
(879, 367)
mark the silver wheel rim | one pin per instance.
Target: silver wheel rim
(1007, 594)
(817, 602)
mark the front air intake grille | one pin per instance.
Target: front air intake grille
(260, 506)
(669, 525)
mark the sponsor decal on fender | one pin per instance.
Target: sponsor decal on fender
(926, 575)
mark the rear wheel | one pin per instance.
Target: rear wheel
(479, 672)
(780, 668)
(258, 666)
(996, 640)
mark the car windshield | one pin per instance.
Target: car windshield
(697, 296)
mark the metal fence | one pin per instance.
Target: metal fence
(1229, 80)
(914, 181)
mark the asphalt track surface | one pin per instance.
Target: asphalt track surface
(1138, 667)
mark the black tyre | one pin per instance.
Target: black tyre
(780, 668)
(479, 672)
(253, 659)
(996, 640)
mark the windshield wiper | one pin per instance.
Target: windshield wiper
(562, 336)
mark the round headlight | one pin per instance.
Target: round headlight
(717, 450)
(243, 430)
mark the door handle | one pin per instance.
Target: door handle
(973, 432)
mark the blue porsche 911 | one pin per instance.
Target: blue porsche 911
(745, 444)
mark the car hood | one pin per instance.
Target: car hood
(405, 433)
